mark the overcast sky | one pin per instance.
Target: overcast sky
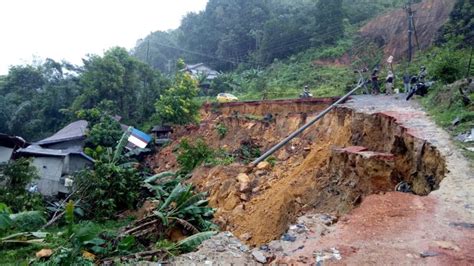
(67, 29)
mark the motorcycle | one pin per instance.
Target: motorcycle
(420, 88)
(306, 94)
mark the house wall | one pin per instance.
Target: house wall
(5, 154)
(72, 164)
(78, 163)
(49, 170)
(75, 145)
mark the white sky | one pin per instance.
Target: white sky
(67, 29)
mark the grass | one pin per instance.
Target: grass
(444, 104)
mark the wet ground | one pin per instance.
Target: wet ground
(386, 228)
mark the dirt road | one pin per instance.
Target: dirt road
(400, 228)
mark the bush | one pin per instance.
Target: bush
(16, 175)
(103, 129)
(221, 130)
(248, 151)
(192, 155)
(178, 105)
(110, 187)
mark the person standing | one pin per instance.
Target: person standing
(389, 83)
(374, 78)
(406, 82)
(422, 74)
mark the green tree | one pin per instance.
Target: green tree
(121, 79)
(104, 130)
(329, 15)
(460, 24)
(15, 176)
(178, 105)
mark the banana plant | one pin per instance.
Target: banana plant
(187, 208)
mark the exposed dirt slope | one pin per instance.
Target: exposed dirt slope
(330, 168)
(391, 30)
(399, 228)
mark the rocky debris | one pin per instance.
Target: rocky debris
(243, 178)
(244, 187)
(259, 256)
(426, 254)
(462, 225)
(324, 255)
(264, 165)
(244, 197)
(307, 227)
(260, 173)
(466, 137)
(288, 237)
(327, 219)
(244, 182)
(246, 236)
(447, 245)
(221, 249)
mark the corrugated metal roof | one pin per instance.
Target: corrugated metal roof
(75, 130)
(38, 150)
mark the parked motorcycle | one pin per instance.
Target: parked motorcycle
(306, 94)
(419, 88)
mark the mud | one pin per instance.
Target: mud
(331, 168)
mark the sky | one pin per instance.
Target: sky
(69, 30)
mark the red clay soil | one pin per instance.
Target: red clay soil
(396, 228)
(390, 30)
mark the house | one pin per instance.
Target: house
(8, 145)
(71, 137)
(200, 70)
(58, 157)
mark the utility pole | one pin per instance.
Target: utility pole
(410, 13)
(169, 66)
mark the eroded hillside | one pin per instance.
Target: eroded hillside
(330, 168)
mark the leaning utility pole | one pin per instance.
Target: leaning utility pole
(410, 13)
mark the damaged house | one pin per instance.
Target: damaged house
(58, 157)
(8, 145)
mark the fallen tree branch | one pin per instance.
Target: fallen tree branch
(144, 255)
(140, 227)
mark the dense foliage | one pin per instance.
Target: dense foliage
(15, 176)
(177, 105)
(112, 186)
(460, 24)
(255, 32)
(33, 97)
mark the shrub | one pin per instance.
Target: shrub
(221, 130)
(178, 105)
(103, 129)
(192, 155)
(16, 175)
(110, 187)
(248, 151)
